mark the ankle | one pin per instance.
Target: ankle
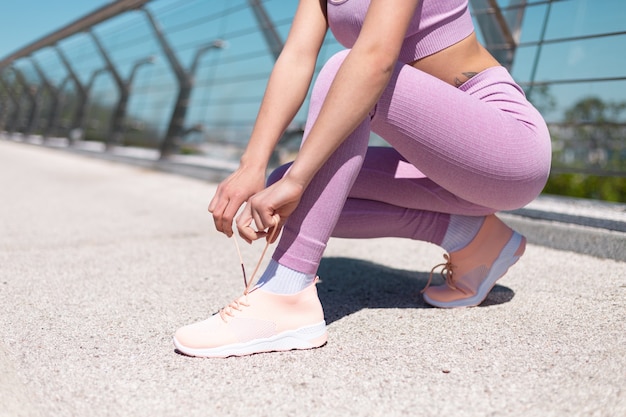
(461, 231)
(279, 279)
(486, 244)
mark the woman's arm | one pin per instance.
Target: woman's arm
(356, 88)
(289, 81)
(358, 84)
(286, 90)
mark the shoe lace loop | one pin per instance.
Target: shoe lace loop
(447, 272)
(237, 305)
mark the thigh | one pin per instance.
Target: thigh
(386, 176)
(482, 143)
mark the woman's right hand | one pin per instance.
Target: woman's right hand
(232, 193)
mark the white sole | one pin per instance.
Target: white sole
(505, 260)
(308, 337)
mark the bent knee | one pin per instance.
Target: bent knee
(327, 74)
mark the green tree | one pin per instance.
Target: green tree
(589, 158)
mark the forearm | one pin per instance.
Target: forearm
(353, 93)
(358, 84)
(284, 95)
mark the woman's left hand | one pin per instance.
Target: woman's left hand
(269, 209)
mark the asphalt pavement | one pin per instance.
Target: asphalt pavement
(101, 262)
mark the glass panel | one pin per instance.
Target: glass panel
(229, 83)
(585, 17)
(533, 22)
(588, 58)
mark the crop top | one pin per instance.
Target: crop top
(436, 25)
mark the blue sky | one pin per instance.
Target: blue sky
(25, 21)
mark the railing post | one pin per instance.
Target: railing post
(51, 90)
(533, 72)
(77, 128)
(117, 116)
(79, 131)
(3, 109)
(4, 114)
(32, 93)
(81, 96)
(116, 129)
(272, 38)
(53, 127)
(185, 80)
(501, 35)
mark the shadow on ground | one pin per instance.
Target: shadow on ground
(349, 285)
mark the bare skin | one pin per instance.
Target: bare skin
(459, 62)
(358, 84)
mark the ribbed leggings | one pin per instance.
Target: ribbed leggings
(472, 150)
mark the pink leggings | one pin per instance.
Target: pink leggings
(472, 150)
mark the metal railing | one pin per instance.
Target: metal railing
(188, 76)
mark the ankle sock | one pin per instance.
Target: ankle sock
(279, 279)
(461, 231)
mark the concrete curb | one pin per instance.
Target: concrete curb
(594, 241)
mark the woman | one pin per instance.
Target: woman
(465, 144)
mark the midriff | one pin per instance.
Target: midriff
(457, 63)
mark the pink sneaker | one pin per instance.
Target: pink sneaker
(257, 322)
(471, 272)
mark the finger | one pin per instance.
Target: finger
(213, 204)
(227, 217)
(276, 219)
(215, 201)
(258, 222)
(265, 219)
(217, 218)
(246, 231)
(218, 215)
(243, 222)
(274, 231)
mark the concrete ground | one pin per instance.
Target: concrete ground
(100, 262)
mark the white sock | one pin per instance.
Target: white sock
(279, 279)
(461, 231)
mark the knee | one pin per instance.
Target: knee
(327, 74)
(335, 61)
(278, 173)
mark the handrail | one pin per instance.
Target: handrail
(80, 25)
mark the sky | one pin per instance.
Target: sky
(25, 21)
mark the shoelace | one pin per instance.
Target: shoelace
(241, 302)
(447, 273)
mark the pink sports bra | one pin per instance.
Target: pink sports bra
(436, 25)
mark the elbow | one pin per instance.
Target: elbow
(380, 67)
(379, 59)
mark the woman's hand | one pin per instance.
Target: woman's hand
(269, 209)
(232, 193)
